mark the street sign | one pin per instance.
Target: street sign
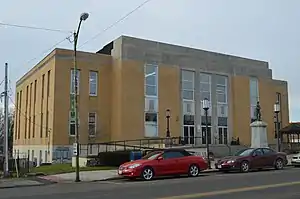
(75, 148)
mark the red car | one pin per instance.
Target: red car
(252, 158)
(163, 163)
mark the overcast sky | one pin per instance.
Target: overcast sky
(260, 29)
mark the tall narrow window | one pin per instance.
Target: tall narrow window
(19, 112)
(222, 104)
(188, 105)
(17, 117)
(205, 93)
(34, 106)
(41, 126)
(92, 124)
(93, 81)
(30, 103)
(43, 85)
(48, 83)
(254, 97)
(73, 73)
(47, 103)
(42, 106)
(26, 112)
(151, 100)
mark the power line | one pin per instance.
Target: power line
(34, 27)
(116, 22)
(49, 49)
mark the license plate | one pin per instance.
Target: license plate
(120, 172)
(219, 166)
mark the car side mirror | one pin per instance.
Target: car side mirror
(254, 155)
(159, 158)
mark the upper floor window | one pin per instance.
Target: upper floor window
(93, 81)
(205, 86)
(254, 95)
(150, 72)
(72, 89)
(92, 124)
(187, 84)
(221, 89)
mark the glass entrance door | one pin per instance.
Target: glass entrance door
(189, 134)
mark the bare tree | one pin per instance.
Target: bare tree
(2, 129)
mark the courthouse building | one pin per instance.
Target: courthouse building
(126, 88)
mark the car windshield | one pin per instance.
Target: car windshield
(245, 152)
(151, 155)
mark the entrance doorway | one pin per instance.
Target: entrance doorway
(189, 134)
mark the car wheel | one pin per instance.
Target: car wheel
(245, 167)
(194, 170)
(147, 173)
(279, 164)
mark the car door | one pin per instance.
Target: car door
(257, 160)
(170, 163)
(269, 157)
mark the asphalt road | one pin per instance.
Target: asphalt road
(259, 185)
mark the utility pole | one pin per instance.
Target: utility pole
(6, 127)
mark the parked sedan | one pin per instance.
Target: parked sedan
(253, 158)
(163, 163)
(296, 160)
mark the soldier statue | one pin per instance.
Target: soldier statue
(258, 111)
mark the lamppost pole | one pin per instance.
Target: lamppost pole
(168, 115)
(83, 17)
(276, 111)
(205, 106)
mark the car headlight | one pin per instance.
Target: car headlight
(230, 161)
(134, 166)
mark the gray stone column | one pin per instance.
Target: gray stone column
(214, 107)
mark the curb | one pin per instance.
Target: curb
(41, 181)
(121, 177)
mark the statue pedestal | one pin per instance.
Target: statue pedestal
(259, 135)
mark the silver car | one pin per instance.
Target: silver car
(296, 160)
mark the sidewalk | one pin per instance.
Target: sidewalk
(20, 182)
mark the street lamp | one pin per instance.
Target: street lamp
(205, 106)
(168, 115)
(83, 17)
(276, 111)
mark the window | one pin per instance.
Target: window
(19, 112)
(172, 154)
(92, 124)
(151, 100)
(254, 96)
(35, 86)
(41, 126)
(48, 83)
(93, 83)
(223, 135)
(221, 89)
(26, 116)
(187, 84)
(204, 134)
(43, 84)
(267, 151)
(205, 86)
(73, 81)
(151, 127)
(151, 80)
